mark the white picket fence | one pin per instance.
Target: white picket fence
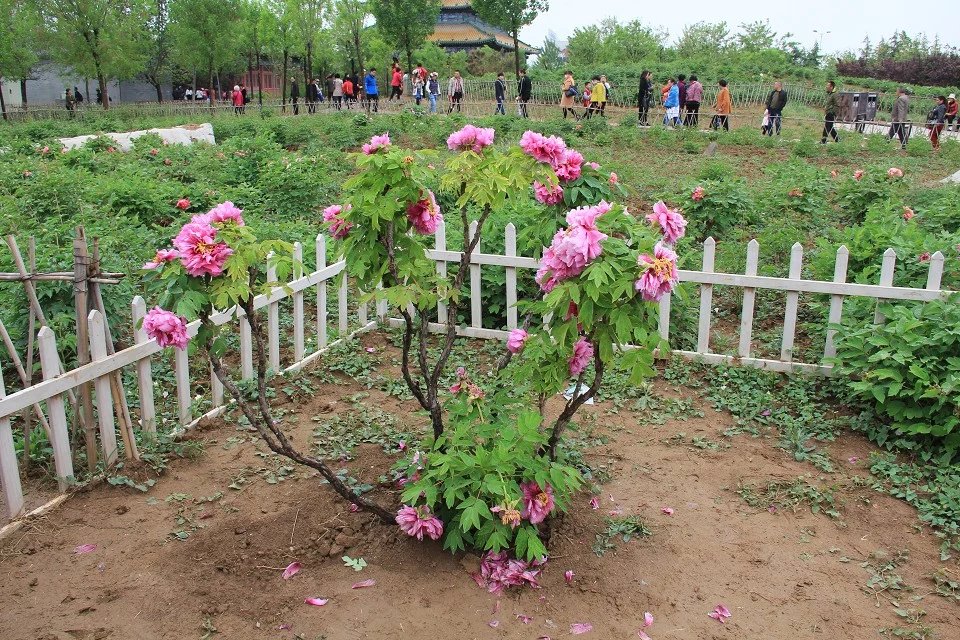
(56, 382)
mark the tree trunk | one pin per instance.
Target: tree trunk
(259, 80)
(516, 54)
(159, 89)
(209, 81)
(283, 87)
(3, 105)
(23, 93)
(308, 69)
(250, 70)
(358, 46)
(102, 82)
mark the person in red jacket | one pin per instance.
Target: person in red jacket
(952, 113)
(396, 83)
(348, 96)
(237, 100)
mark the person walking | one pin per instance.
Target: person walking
(371, 91)
(682, 88)
(898, 117)
(237, 98)
(644, 96)
(607, 93)
(585, 98)
(951, 110)
(419, 85)
(312, 91)
(500, 93)
(830, 110)
(396, 84)
(70, 101)
(776, 101)
(598, 96)
(455, 92)
(79, 96)
(246, 97)
(723, 107)
(347, 90)
(935, 121)
(568, 95)
(524, 91)
(671, 104)
(694, 96)
(433, 90)
(337, 95)
(294, 96)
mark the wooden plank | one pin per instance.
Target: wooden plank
(663, 320)
(476, 296)
(491, 259)
(9, 470)
(98, 353)
(793, 301)
(246, 346)
(757, 363)
(83, 342)
(836, 301)
(321, 250)
(298, 319)
(381, 305)
(343, 318)
(706, 298)
(935, 273)
(440, 238)
(749, 298)
(273, 326)
(886, 279)
(60, 436)
(148, 411)
(812, 286)
(510, 244)
(181, 372)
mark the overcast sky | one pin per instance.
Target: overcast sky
(847, 21)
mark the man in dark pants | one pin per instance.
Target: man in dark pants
(294, 96)
(776, 101)
(312, 93)
(830, 113)
(500, 92)
(524, 91)
(898, 118)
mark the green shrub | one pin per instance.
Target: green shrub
(909, 369)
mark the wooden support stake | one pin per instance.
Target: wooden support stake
(80, 302)
(24, 376)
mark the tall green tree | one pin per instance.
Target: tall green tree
(551, 56)
(257, 24)
(349, 19)
(159, 63)
(307, 17)
(280, 39)
(406, 24)
(205, 34)
(511, 16)
(18, 24)
(104, 39)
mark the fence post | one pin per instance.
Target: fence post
(836, 301)
(321, 249)
(273, 324)
(749, 297)
(793, 300)
(440, 238)
(476, 302)
(936, 272)
(886, 279)
(706, 298)
(148, 411)
(510, 244)
(298, 328)
(246, 345)
(56, 412)
(9, 471)
(343, 323)
(105, 416)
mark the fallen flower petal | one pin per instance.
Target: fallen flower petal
(723, 611)
(317, 602)
(852, 459)
(494, 623)
(594, 503)
(354, 508)
(285, 627)
(643, 635)
(364, 584)
(667, 511)
(716, 616)
(292, 569)
(524, 619)
(578, 628)
(568, 576)
(371, 350)
(647, 619)
(84, 548)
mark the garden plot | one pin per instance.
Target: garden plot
(714, 511)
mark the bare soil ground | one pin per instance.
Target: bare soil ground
(782, 573)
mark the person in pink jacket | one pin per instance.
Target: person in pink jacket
(237, 100)
(694, 98)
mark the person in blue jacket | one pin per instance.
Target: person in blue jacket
(672, 104)
(370, 88)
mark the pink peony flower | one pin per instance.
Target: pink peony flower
(162, 256)
(498, 571)
(27, 173)
(168, 329)
(45, 150)
(424, 214)
(834, 173)
(167, 162)
(593, 165)
(111, 150)
(333, 215)
(573, 248)
(614, 179)
(183, 204)
(543, 149)
(924, 257)
(376, 143)
(223, 212)
(200, 253)
(154, 152)
(582, 354)
(569, 166)
(537, 502)
(908, 213)
(416, 521)
(858, 174)
(671, 222)
(894, 172)
(697, 194)
(595, 503)
(517, 339)
(546, 194)
(568, 576)
(796, 193)
(660, 273)
(470, 137)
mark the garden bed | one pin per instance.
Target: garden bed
(201, 554)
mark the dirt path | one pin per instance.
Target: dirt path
(782, 574)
